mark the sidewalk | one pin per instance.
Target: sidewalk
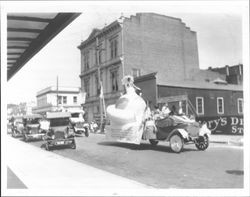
(46, 171)
(236, 140)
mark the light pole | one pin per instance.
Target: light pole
(121, 22)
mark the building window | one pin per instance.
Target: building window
(96, 84)
(114, 80)
(200, 105)
(240, 105)
(86, 60)
(64, 99)
(136, 72)
(86, 87)
(75, 99)
(59, 99)
(220, 105)
(100, 54)
(113, 48)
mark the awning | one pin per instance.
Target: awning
(28, 33)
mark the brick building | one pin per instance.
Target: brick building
(138, 45)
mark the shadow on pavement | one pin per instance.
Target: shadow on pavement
(143, 147)
(13, 182)
(235, 172)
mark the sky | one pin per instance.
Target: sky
(218, 27)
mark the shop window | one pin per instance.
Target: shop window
(220, 105)
(64, 99)
(200, 105)
(240, 105)
(75, 99)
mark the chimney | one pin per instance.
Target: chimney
(227, 70)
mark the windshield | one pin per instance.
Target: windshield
(75, 115)
(32, 121)
(55, 122)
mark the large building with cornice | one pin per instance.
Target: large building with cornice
(138, 45)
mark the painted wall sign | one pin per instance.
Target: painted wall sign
(232, 125)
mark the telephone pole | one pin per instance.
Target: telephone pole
(101, 98)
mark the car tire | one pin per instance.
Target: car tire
(73, 145)
(202, 142)
(153, 142)
(176, 143)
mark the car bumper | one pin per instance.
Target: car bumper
(61, 142)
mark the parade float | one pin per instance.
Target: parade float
(130, 122)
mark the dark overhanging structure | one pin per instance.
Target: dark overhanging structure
(28, 33)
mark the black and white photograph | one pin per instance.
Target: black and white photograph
(125, 98)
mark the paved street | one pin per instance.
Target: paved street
(221, 166)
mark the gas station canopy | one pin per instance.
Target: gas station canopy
(28, 33)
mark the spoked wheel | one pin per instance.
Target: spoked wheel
(202, 142)
(73, 145)
(176, 143)
(153, 142)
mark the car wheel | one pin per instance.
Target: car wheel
(153, 142)
(47, 147)
(73, 145)
(176, 143)
(202, 142)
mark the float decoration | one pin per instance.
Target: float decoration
(126, 115)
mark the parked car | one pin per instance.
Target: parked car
(80, 126)
(60, 133)
(17, 127)
(32, 130)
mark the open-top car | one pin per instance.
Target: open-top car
(32, 130)
(17, 127)
(60, 131)
(177, 130)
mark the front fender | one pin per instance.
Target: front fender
(204, 130)
(180, 131)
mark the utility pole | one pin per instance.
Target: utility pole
(101, 98)
(57, 92)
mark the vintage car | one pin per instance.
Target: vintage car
(32, 130)
(177, 130)
(60, 133)
(80, 126)
(17, 127)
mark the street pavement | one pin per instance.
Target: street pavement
(98, 166)
(40, 170)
